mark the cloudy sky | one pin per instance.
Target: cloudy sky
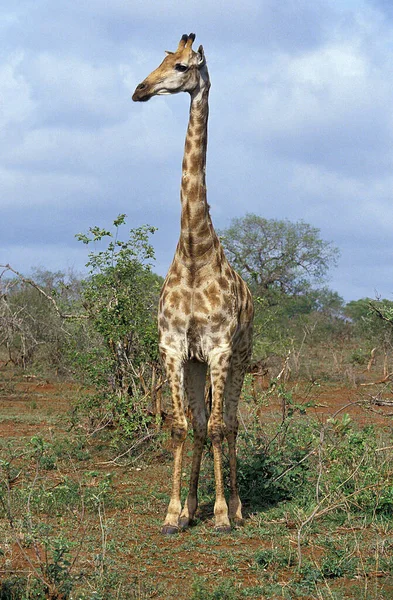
(300, 125)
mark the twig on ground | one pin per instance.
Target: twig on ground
(137, 443)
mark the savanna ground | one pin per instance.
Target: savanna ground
(80, 517)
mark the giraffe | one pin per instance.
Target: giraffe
(205, 308)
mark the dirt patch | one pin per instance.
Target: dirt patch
(29, 405)
(127, 527)
(326, 401)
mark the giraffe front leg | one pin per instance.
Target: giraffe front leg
(221, 518)
(171, 523)
(174, 370)
(219, 367)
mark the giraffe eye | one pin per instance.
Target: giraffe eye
(180, 67)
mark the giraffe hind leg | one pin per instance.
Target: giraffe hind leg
(194, 379)
(232, 395)
(219, 369)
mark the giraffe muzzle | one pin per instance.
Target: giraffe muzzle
(141, 93)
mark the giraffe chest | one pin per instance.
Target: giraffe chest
(193, 322)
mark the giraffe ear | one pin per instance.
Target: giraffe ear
(168, 52)
(201, 56)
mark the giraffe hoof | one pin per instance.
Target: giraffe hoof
(238, 522)
(169, 529)
(223, 528)
(184, 523)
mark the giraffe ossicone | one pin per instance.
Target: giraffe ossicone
(205, 309)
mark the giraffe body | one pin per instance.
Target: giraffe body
(205, 309)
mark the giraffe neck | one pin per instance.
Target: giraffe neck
(197, 235)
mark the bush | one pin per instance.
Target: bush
(121, 296)
(32, 334)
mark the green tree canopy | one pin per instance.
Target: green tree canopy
(278, 257)
(372, 319)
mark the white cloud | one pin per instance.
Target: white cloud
(32, 189)
(70, 131)
(328, 95)
(77, 93)
(345, 203)
(16, 104)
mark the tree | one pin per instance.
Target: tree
(372, 318)
(372, 322)
(285, 265)
(278, 257)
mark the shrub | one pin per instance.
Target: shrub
(121, 296)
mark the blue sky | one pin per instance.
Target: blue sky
(301, 125)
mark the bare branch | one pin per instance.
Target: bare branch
(41, 291)
(384, 380)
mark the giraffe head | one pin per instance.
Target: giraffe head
(181, 71)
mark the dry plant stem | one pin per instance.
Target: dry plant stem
(381, 401)
(16, 536)
(382, 414)
(357, 547)
(327, 586)
(36, 550)
(356, 403)
(81, 519)
(242, 422)
(296, 354)
(281, 432)
(318, 513)
(81, 541)
(101, 514)
(315, 514)
(320, 470)
(295, 465)
(371, 361)
(43, 563)
(384, 380)
(383, 448)
(286, 370)
(379, 313)
(105, 421)
(137, 443)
